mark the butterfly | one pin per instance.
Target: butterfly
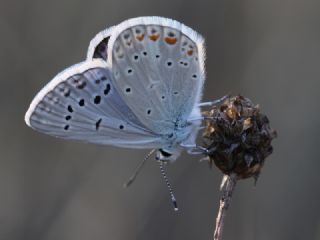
(139, 87)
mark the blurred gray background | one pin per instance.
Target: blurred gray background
(52, 189)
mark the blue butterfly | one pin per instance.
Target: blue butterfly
(140, 87)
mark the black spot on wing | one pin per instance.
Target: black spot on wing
(98, 124)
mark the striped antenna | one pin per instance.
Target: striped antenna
(173, 199)
(138, 169)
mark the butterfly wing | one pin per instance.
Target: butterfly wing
(155, 82)
(158, 65)
(98, 47)
(81, 103)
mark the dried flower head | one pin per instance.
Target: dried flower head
(238, 137)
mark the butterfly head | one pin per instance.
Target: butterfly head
(167, 154)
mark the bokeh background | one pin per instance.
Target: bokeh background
(52, 189)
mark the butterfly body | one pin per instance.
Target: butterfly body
(139, 86)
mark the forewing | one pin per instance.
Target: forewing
(82, 103)
(158, 65)
(98, 47)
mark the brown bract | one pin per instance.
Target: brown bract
(238, 137)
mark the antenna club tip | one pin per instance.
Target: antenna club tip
(128, 183)
(175, 206)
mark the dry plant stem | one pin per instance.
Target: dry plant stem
(225, 200)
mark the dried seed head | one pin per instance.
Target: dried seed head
(238, 137)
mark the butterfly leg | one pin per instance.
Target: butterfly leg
(199, 118)
(194, 149)
(215, 102)
(204, 159)
(206, 104)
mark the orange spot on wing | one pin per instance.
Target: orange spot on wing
(190, 52)
(154, 37)
(171, 40)
(141, 37)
